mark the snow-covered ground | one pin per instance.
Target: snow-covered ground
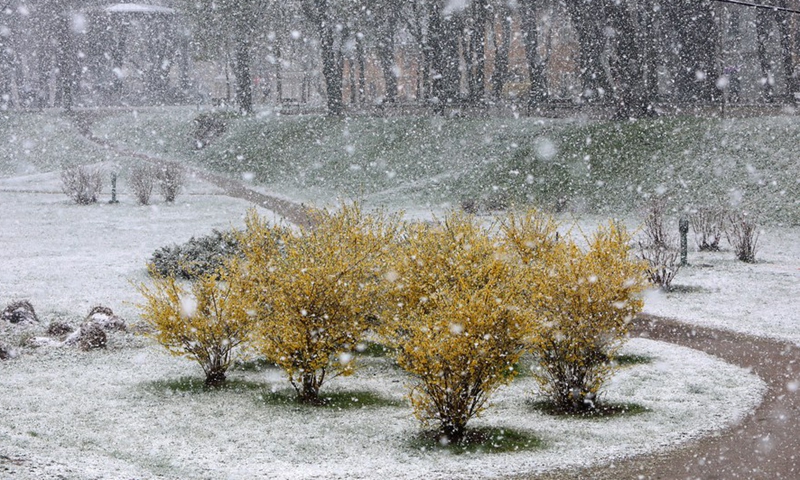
(108, 415)
(760, 299)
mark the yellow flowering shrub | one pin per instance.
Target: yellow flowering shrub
(585, 300)
(458, 324)
(204, 321)
(314, 291)
(533, 236)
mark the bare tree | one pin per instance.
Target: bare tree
(530, 37)
(502, 39)
(321, 15)
(587, 18)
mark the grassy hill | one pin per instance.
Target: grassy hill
(598, 167)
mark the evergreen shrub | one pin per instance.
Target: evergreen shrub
(197, 257)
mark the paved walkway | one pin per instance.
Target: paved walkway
(764, 445)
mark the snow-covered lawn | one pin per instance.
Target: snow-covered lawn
(760, 299)
(108, 414)
(105, 415)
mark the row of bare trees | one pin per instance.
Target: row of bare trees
(632, 54)
(53, 51)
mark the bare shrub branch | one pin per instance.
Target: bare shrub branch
(171, 179)
(662, 264)
(708, 225)
(142, 180)
(82, 184)
(655, 230)
(743, 235)
(658, 248)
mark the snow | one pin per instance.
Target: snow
(107, 414)
(760, 299)
(137, 8)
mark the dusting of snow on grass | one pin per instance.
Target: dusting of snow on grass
(68, 258)
(716, 290)
(114, 414)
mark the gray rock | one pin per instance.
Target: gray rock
(104, 318)
(89, 337)
(20, 311)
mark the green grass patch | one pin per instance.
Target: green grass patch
(196, 385)
(39, 143)
(373, 349)
(252, 365)
(595, 167)
(604, 410)
(478, 440)
(630, 359)
(345, 400)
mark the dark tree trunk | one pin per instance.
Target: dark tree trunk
(731, 67)
(162, 44)
(784, 26)
(117, 54)
(362, 65)
(215, 377)
(454, 433)
(308, 392)
(6, 73)
(475, 41)
(626, 61)
(351, 77)
(183, 56)
(385, 47)
(443, 37)
(44, 67)
(502, 49)
(414, 25)
(588, 22)
(332, 65)
(244, 83)
(66, 63)
(278, 69)
(696, 32)
(648, 35)
(765, 63)
(530, 37)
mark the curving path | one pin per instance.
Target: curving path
(764, 445)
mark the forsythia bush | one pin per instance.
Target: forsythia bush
(584, 303)
(205, 321)
(459, 326)
(314, 290)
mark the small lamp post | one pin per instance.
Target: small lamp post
(683, 228)
(113, 188)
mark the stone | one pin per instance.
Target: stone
(104, 317)
(20, 311)
(89, 336)
(92, 337)
(59, 329)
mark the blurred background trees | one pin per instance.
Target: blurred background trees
(630, 57)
